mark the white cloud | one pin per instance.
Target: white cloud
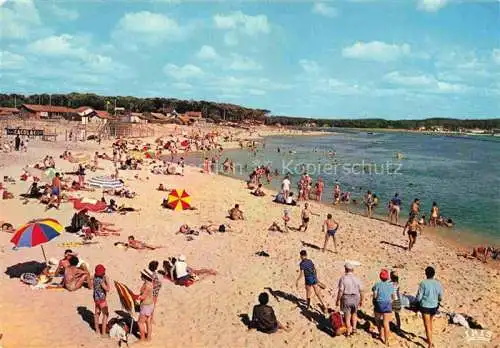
(309, 66)
(237, 23)
(495, 55)
(148, 28)
(182, 72)
(11, 61)
(19, 19)
(207, 53)
(255, 91)
(62, 45)
(324, 10)
(424, 83)
(431, 5)
(242, 63)
(250, 25)
(64, 13)
(377, 51)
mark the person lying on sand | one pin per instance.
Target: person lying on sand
(259, 192)
(275, 228)
(177, 270)
(185, 229)
(481, 253)
(235, 213)
(139, 245)
(263, 317)
(74, 277)
(100, 228)
(7, 195)
(214, 228)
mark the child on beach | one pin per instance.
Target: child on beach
(308, 271)
(153, 266)
(396, 298)
(286, 219)
(382, 301)
(101, 288)
(331, 226)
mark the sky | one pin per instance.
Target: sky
(395, 59)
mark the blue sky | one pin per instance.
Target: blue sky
(394, 59)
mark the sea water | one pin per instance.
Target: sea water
(461, 174)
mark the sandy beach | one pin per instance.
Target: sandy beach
(209, 313)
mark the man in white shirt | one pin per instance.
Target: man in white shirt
(285, 186)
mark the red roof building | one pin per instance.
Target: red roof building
(47, 111)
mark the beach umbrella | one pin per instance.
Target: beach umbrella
(178, 200)
(37, 232)
(127, 299)
(105, 182)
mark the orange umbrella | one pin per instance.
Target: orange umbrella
(179, 200)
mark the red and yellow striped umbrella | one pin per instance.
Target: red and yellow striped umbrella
(126, 296)
(179, 200)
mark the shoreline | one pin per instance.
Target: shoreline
(241, 274)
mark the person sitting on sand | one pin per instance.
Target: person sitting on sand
(74, 277)
(445, 222)
(235, 213)
(263, 317)
(259, 192)
(33, 191)
(64, 263)
(139, 245)
(289, 200)
(275, 228)
(481, 253)
(7, 195)
(177, 270)
(7, 227)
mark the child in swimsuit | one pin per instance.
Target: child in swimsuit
(101, 287)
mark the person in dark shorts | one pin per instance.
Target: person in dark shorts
(382, 303)
(263, 317)
(331, 226)
(308, 271)
(412, 227)
(306, 217)
(429, 296)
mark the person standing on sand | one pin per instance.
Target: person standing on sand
(429, 296)
(412, 226)
(382, 301)
(350, 297)
(153, 266)
(56, 188)
(306, 216)
(101, 288)
(17, 142)
(434, 215)
(331, 226)
(147, 305)
(320, 186)
(336, 194)
(368, 199)
(285, 186)
(308, 271)
(395, 208)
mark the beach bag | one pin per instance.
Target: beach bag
(336, 321)
(222, 228)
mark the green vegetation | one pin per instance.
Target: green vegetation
(231, 112)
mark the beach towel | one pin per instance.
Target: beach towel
(90, 204)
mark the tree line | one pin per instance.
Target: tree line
(231, 112)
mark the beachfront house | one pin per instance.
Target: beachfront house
(134, 117)
(89, 115)
(48, 112)
(8, 113)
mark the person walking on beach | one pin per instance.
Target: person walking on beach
(382, 301)
(17, 142)
(306, 216)
(429, 296)
(350, 297)
(101, 288)
(56, 189)
(368, 199)
(331, 226)
(412, 227)
(320, 186)
(434, 215)
(147, 305)
(308, 271)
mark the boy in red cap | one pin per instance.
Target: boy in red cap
(383, 293)
(101, 287)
